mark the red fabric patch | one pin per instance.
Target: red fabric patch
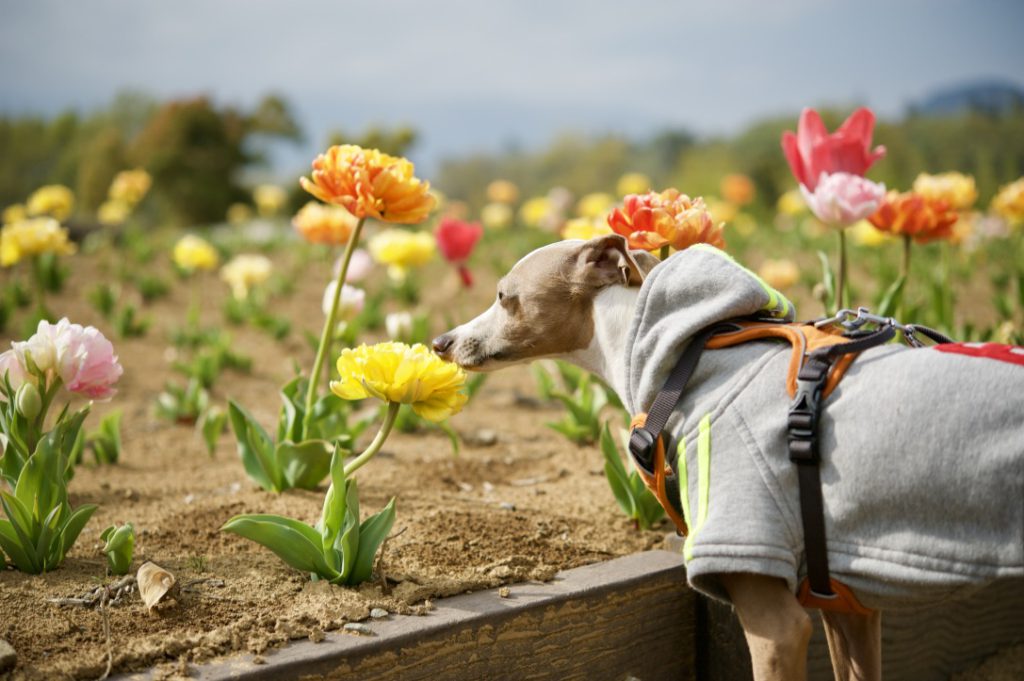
(1014, 354)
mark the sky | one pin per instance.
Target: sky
(482, 75)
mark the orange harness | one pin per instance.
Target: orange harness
(804, 339)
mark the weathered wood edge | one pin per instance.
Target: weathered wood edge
(482, 608)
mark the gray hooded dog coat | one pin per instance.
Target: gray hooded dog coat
(922, 450)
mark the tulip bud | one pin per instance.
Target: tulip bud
(28, 401)
(398, 325)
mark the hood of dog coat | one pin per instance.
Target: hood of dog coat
(692, 289)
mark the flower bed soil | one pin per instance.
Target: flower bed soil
(519, 503)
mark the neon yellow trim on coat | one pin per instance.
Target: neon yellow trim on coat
(684, 482)
(778, 305)
(703, 482)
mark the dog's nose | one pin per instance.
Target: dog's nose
(443, 343)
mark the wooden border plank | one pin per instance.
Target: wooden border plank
(632, 617)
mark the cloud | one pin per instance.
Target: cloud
(469, 72)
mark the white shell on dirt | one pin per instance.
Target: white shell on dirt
(154, 583)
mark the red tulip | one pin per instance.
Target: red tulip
(455, 240)
(812, 151)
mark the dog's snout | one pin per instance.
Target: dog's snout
(443, 343)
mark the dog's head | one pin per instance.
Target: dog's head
(544, 305)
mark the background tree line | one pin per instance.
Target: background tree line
(198, 151)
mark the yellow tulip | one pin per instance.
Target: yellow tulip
(536, 211)
(496, 216)
(54, 200)
(193, 253)
(31, 237)
(865, 234)
(633, 183)
(1009, 202)
(594, 205)
(245, 271)
(112, 212)
(130, 186)
(582, 228)
(269, 199)
(400, 250)
(792, 203)
(14, 213)
(239, 214)
(956, 189)
(397, 373)
(779, 274)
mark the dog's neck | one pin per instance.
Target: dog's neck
(605, 356)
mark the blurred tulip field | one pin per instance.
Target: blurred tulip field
(187, 342)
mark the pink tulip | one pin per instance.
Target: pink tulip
(13, 369)
(81, 357)
(359, 267)
(841, 199)
(812, 151)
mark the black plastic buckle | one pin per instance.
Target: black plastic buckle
(641, 446)
(802, 422)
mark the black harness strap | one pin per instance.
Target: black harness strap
(642, 441)
(802, 436)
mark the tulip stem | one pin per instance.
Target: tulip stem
(327, 335)
(841, 278)
(378, 440)
(905, 265)
(904, 274)
(664, 252)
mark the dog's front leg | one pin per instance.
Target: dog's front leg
(777, 629)
(854, 644)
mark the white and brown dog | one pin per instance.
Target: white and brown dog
(603, 307)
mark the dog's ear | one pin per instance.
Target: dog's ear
(607, 260)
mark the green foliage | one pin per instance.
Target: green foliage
(582, 420)
(214, 354)
(49, 273)
(103, 298)
(6, 308)
(583, 395)
(277, 327)
(18, 294)
(340, 549)
(628, 488)
(182, 404)
(21, 432)
(40, 525)
(151, 287)
(105, 441)
(210, 425)
(290, 460)
(119, 546)
(127, 325)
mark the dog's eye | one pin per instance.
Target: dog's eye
(507, 300)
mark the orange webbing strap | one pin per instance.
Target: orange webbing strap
(842, 599)
(656, 482)
(803, 337)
